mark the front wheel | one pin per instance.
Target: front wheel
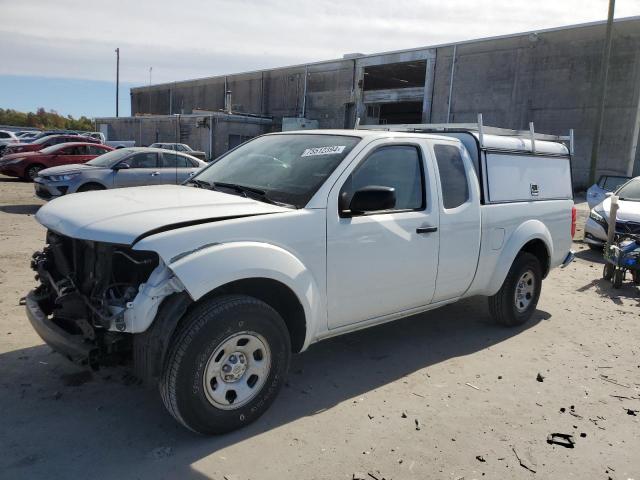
(518, 297)
(32, 172)
(226, 364)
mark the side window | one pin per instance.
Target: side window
(4, 135)
(143, 160)
(95, 150)
(453, 177)
(183, 162)
(399, 167)
(168, 160)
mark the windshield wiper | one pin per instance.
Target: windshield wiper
(200, 183)
(256, 193)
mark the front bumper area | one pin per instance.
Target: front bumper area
(72, 346)
(594, 233)
(47, 191)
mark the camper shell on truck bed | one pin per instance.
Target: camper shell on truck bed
(511, 165)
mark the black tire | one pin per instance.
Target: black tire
(618, 278)
(502, 305)
(635, 274)
(32, 172)
(89, 187)
(607, 271)
(204, 330)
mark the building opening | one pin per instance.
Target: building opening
(401, 112)
(395, 75)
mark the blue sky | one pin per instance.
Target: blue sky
(60, 54)
(68, 96)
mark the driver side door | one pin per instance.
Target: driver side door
(385, 262)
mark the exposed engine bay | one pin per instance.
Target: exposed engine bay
(86, 289)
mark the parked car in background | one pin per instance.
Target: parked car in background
(125, 167)
(97, 135)
(627, 218)
(112, 143)
(26, 133)
(181, 147)
(7, 137)
(48, 133)
(44, 142)
(597, 192)
(26, 165)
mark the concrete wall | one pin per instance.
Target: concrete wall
(549, 77)
(211, 134)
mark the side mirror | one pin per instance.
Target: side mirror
(372, 199)
(122, 166)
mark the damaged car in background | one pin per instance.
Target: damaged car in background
(207, 288)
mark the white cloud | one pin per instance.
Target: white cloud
(191, 38)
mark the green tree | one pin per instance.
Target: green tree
(44, 119)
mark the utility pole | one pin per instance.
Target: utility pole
(117, 78)
(150, 70)
(604, 74)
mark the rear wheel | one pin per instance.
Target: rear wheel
(518, 297)
(618, 278)
(32, 172)
(226, 365)
(607, 271)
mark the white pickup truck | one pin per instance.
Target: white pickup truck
(209, 287)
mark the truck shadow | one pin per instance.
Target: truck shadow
(117, 430)
(31, 209)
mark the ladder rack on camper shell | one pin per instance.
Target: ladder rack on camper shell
(478, 128)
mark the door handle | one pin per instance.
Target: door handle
(426, 229)
(153, 174)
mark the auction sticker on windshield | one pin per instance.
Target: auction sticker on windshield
(309, 152)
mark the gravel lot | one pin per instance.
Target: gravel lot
(440, 395)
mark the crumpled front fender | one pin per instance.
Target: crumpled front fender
(205, 269)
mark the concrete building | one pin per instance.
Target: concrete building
(550, 77)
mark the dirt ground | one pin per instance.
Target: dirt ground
(442, 395)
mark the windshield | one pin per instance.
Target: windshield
(53, 149)
(287, 168)
(109, 159)
(630, 191)
(611, 182)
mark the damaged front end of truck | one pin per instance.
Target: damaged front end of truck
(93, 297)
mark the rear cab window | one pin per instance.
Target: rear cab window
(453, 175)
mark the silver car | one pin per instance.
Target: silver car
(181, 147)
(126, 167)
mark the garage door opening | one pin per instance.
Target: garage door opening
(401, 112)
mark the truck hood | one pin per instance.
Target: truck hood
(126, 215)
(628, 211)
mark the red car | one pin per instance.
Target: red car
(27, 164)
(45, 142)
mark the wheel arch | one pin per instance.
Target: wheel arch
(32, 164)
(531, 236)
(278, 296)
(90, 183)
(264, 271)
